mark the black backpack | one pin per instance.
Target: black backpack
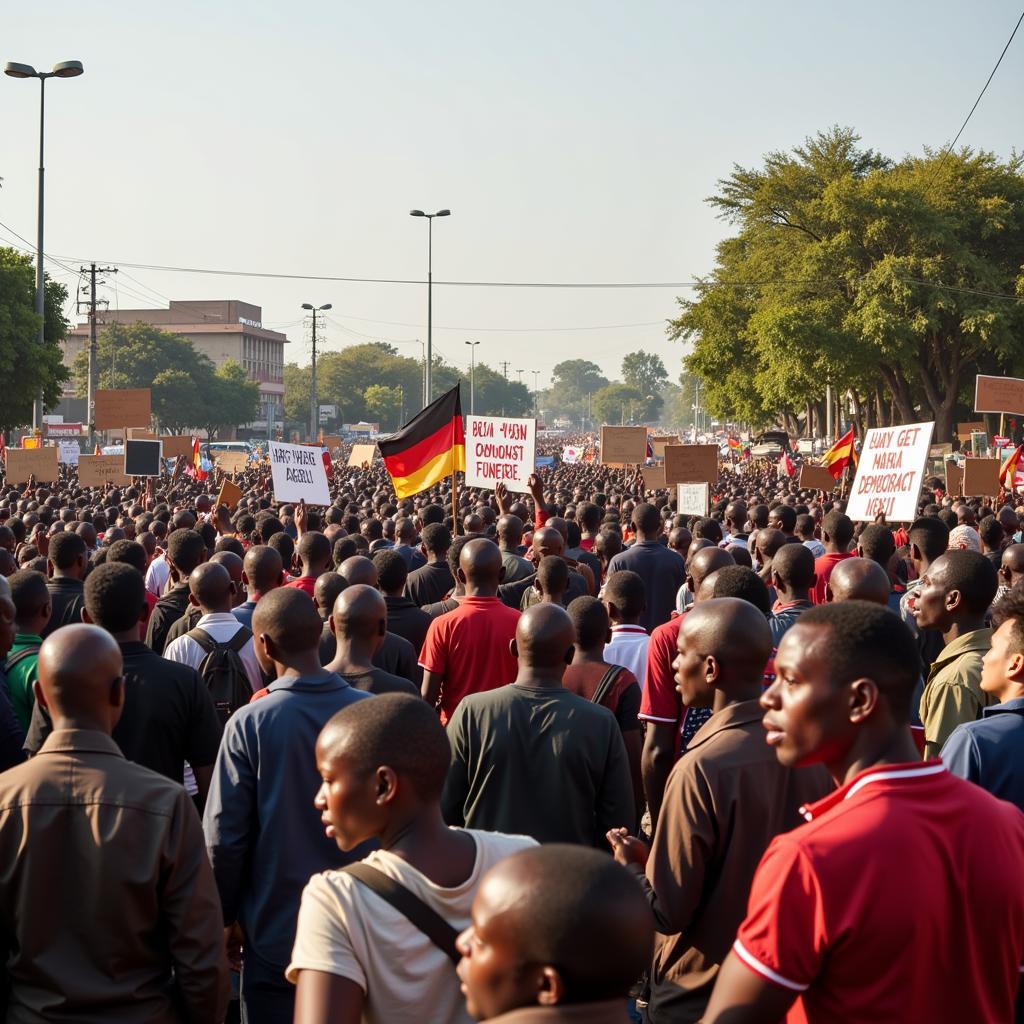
(223, 672)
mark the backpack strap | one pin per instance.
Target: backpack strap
(604, 687)
(208, 644)
(240, 639)
(410, 906)
(15, 659)
(202, 638)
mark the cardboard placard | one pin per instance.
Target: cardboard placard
(981, 477)
(126, 407)
(623, 446)
(231, 462)
(999, 394)
(691, 463)
(42, 463)
(176, 444)
(816, 478)
(362, 453)
(141, 434)
(143, 457)
(332, 441)
(654, 478)
(299, 473)
(230, 494)
(693, 499)
(954, 477)
(892, 467)
(500, 448)
(659, 443)
(964, 430)
(97, 470)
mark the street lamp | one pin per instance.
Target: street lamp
(430, 287)
(472, 376)
(65, 69)
(536, 374)
(314, 412)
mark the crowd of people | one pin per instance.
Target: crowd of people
(559, 756)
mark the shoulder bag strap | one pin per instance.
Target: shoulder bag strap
(435, 927)
(607, 682)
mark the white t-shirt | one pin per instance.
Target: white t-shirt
(157, 576)
(221, 626)
(345, 928)
(628, 647)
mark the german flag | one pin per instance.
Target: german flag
(840, 455)
(430, 447)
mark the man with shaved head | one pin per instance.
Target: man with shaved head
(533, 758)
(263, 841)
(468, 650)
(726, 798)
(858, 579)
(792, 576)
(262, 571)
(102, 862)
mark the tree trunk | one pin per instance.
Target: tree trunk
(858, 412)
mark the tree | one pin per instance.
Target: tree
(27, 369)
(229, 399)
(618, 403)
(297, 391)
(573, 382)
(383, 406)
(645, 372)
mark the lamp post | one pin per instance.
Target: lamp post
(430, 287)
(472, 376)
(536, 374)
(314, 412)
(65, 69)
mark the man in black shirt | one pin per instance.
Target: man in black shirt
(403, 616)
(68, 560)
(185, 550)
(168, 716)
(433, 581)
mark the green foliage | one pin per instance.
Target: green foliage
(573, 382)
(619, 403)
(25, 368)
(645, 372)
(383, 406)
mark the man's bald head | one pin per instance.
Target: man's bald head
(289, 619)
(80, 678)
(703, 563)
(735, 634)
(360, 613)
(548, 541)
(793, 568)
(858, 579)
(769, 542)
(211, 587)
(359, 570)
(545, 638)
(480, 565)
(263, 569)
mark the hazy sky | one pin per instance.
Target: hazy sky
(573, 141)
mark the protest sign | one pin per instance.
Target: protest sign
(964, 430)
(231, 462)
(892, 466)
(176, 444)
(937, 451)
(654, 477)
(69, 452)
(623, 446)
(63, 429)
(361, 453)
(954, 477)
(691, 463)
(142, 457)
(127, 407)
(97, 470)
(140, 434)
(981, 477)
(816, 478)
(659, 443)
(298, 473)
(692, 499)
(571, 454)
(230, 494)
(998, 394)
(42, 463)
(332, 442)
(500, 449)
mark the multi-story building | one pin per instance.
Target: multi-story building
(220, 329)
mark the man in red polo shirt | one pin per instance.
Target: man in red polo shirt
(900, 899)
(467, 650)
(836, 534)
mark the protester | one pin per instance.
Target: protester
(12, 736)
(858, 579)
(32, 612)
(792, 579)
(433, 581)
(836, 535)
(262, 571)
(403, 616)
(185, 550)
(67, 563)
(625, 599)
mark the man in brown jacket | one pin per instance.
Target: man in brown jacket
(726, 798)
(108, 908)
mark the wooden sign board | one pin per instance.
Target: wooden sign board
(623, 446)
(97, 470)
(964, 430)
(816, 478)
(658, 444)
(42, 463)
(231, 462)
(954, 477)
(998, 394)
(361, 453)
(127, 407)
(654, 478)
(981, 477)
(691, 464)
(176, 444)
(230, 494)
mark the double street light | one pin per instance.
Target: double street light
(314, 410)
(65, 69)
(430, 281)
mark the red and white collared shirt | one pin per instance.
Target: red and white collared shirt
(899, 900)
(628, 647)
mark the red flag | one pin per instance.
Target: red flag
(327, 463)
(786, 467)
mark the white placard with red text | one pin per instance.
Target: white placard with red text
(890, 473)
(500, 448)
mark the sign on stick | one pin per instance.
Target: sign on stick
(998, 394)
(298, 472)
(230, 494)
(42, 463)
(231, 462)
(654, 478)
(142, 458)
(97, 470)
(981, 477)
(691, 463)
(692, 499)
(500, 449)
(361, 453)
(892, 466)
(125, 407)
(816, 478)
(623, 446)
(177, 444)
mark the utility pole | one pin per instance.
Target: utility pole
(90, 402)
(504, 369)
(314, 408)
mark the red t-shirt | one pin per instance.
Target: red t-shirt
(823, 567)
(899, 901)
(307, 584)
(469, 649)
(661, 701)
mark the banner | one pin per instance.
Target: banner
(892, 467)
(63, 429)
(500, 449)
(571, 454)
(999, 394)
(126, 407)
(298, 473)
(692, 499)
(42, 463)
(691, 463)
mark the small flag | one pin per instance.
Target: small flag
(840, 455)
(786, 467)
(735, 444)
(196, 470)
(1009, 467)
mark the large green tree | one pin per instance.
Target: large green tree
(25, 368)
(573, 383)
(619, 403)
(644, 371)
(893, 281)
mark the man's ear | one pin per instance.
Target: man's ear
(513, 648)
(460, 575)
(712, 670)
(550, 987)
(193, 600)
(37, 691)
(863, 700)
(85, 616)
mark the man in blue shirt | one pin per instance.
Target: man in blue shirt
(262, 571)
(263, 835)
(990, 751)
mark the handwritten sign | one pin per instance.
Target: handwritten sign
(981, 477)
(69, 452)
(298, 473)
(816, 478)
(230, 494)
(332, 442)
(361, 453)
(232, 462)
(623, 446)
(654, 478)
(42, 463)
(692, 499)
(998, 394)
(97, 470)
(890, 473)
(500, 449)
(691, 463)
(177, 444)
(126, 407)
